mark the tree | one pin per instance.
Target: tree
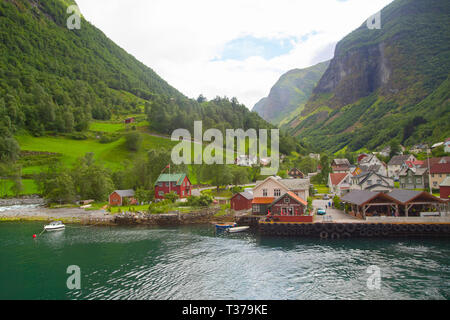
(395, 148)
(172, 196)
(9, 149)
(133, 141)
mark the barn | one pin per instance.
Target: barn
(242, 201)
(117, 197)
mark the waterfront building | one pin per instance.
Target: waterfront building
(117, 197)
(175, 182)
(241, 201)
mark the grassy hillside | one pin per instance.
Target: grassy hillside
(384, 84)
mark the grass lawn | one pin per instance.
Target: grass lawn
(29, 187)
(111, 154)
(106, 127)
(321, 188)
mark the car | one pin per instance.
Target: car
(326, 197)
(321, 212)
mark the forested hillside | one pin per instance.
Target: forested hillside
(56, 80)
(384, 84)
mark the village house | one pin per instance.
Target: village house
(414, 178)
(418, 148)
(438, 173)
(340, 166)
(315, 156)
(265, 192)
(296, 174)
(339, 183)
(394, 166)
(444, 189)
(175, 182)
(289, 208)
(129, 120)
(119, 197)
(372, 181)
(241, 201)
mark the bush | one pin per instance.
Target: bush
(133, 141)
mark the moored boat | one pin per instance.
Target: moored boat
(54, 226)
(237, 229)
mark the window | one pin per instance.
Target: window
(264, 192)
(161, 193)
(434, 183)
(160, 184)
(277, 192)
(369, 182)
(418, 180)
(256, 208)
(286, 200)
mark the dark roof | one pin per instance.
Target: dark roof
(125, 193)
(398, 160)
(359, 197)
(245, 194)
(341, 162)
(405, 196)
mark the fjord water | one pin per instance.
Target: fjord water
(194, 263)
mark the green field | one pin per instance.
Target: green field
(29, 187)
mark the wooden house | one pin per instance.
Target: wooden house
(117, 197)
(176, 182)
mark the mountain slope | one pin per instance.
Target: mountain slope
(290, 93)
(379, 81)
(55, 81)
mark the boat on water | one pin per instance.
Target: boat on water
(225, 226)
(237, 229)
(54, 226)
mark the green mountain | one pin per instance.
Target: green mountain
(289, 95)
(57, 81)
(384, 84)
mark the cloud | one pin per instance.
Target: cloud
(232, 48)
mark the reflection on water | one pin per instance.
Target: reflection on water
(195, 263)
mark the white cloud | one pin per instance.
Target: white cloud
(179, 39)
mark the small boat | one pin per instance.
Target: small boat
(237, 229)
(54, 226)
(225, 226)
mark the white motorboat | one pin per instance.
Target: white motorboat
(54, 226)
(237, 229)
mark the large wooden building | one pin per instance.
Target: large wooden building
(241, 201)
(177, 182)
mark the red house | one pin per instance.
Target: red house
(177, 182)
(116, 198)
(129, 120)
(242, 201)
(290, 208)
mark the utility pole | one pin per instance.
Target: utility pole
(429, 171)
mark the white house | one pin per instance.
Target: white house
(372, 181)
(396, 163)
(339, 183)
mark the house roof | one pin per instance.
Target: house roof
(293, 196)
(440, 168)
(417, 171)
(247, 195)
(433, 161)
(406, 196)
(446, 182)
(366, 175)
(336, 178)
(174, 177)
(124, 193)
(263, 200)
(290, 184)
(341, 162)
(359, 197)
(398, 160)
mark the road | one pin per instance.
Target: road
(335, 214)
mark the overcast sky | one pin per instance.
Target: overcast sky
(234, 48)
